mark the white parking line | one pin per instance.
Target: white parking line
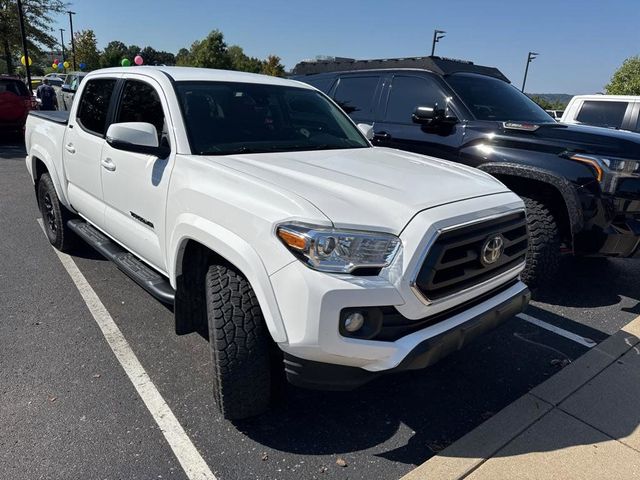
(587, 342)
(185, 451)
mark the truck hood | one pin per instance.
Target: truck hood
(377, 188)
(560, 137)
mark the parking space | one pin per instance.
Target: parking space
(70, 404)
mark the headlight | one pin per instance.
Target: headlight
(338, 251)
(609, 169)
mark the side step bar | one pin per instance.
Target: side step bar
(152, 281)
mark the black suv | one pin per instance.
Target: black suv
(581, 185)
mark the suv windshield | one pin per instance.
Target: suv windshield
(223, 118)
(489, 98)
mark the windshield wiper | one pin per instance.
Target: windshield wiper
(231, 152)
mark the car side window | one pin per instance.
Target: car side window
(407, 93)
(140, 103)
(355, 96)
(73, 84)
(602, 114)
(94, 105)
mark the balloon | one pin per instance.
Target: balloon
(56, 61)
(82, 65)
(125, 62)
(138, 60)
(22, 61)
(60, 67)
(66, 64)
(54, 66)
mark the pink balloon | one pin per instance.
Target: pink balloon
(138, 60)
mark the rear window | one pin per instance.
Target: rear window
(602, 114)
(14, 86)
(92, 112)
(355, 96)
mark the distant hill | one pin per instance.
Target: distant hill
(558, 98)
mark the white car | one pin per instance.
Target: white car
(258, 208)
(621, 112)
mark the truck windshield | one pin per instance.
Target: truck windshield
(489, 98)
(223, 118)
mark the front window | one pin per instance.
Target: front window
(223, 118)
(489, 98)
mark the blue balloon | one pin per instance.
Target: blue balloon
(82, 65)
(60, 66)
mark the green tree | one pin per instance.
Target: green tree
(242, 62)
(210, 52)
(626, 80)
(39, 20)
(272, 66)
(547, 104)
(113, 54)
(151, 56)
(183, 58)
(87, 49)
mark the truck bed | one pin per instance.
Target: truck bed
(57, 116)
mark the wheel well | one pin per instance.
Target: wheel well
(546, 193)
(39, 169)
(190, 306)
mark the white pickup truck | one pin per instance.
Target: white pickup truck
(259, 210)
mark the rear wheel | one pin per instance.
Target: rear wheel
(240, 345)
(543, 254)
(54, 215)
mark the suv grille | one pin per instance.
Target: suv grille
(467, 256)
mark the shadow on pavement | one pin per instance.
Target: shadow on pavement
(608, 279)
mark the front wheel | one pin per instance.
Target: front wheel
(240, 345)
(543, 253)
(54, 215)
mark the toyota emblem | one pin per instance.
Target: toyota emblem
(491, 250)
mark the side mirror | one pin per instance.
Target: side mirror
(366, 129)
(432, 116)
(137, 137)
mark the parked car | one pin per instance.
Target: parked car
(15, 103)
(620, 112)
(69, 89)
(256, 207)
(555, 114)
(581, 184)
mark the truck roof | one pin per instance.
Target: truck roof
(438, 65)
(202, 74)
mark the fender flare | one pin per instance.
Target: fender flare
(561, 184)
(236, 251)
(36, 153)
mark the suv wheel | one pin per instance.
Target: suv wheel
(54, 215)
(240, 345)
(543, 254)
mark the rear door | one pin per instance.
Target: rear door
(83, 144)
(396, 128)
(135, 184)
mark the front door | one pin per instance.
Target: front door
(82, 149)
(134, 184)
(397, 129)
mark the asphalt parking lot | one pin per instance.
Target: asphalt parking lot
(69, 410)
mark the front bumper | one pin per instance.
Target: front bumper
(425, 352)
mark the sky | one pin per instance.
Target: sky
(581, 43)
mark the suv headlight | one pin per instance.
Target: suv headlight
(339, 251)
(609, 169)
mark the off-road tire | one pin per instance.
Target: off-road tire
(240, 345)
(54, 216)
(543, 254)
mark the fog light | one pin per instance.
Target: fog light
(353, 322)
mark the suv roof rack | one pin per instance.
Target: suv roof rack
(439, 65)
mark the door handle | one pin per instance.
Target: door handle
(381, 136)
(108, 164)
(70, 148)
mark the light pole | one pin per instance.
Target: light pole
(437, 36)
(530, 58)
(24, 44)
(73, 43)
(62, 43)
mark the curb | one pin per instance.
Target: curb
(473, 449)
